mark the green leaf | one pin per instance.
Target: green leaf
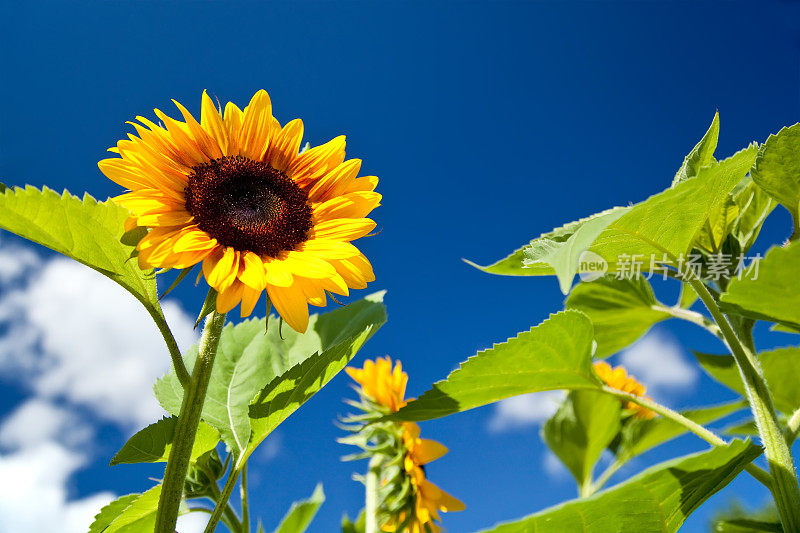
(581, 429)
(339, 336)
(668, 222)
(665, 223)
(781, 369)
(556, 354)
(111, 511)
(139, 516)
(348, 526)
(253, 361)
(87, 231)
(640, 435)
(531, 259)
(621, 310)
(746, 525)
(754, 206)
(153, 443)
(658, 499)
(773, 295)
(777, 168)
(302, 513)
(701, 155)
(687, 297)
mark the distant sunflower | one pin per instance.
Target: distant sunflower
(416, 501)
(618, 378)
(234, 192)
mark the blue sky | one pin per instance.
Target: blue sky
(488, 123)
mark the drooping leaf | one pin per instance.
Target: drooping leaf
(665, 223)
(85, 230)
(781, 369)
(153, 443)
(584, 425)
(621, 310)
(111, 511)
(658, 499)
(701, 155)
(530, 260)
(639, 435)
(777, 168)
(668, 222)
(774, 293)
(302, 513)
(250, 361)
(139, 516)
(556, 354)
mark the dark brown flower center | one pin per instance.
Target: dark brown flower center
(248, 205)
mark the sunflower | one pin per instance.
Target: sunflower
(618, 378)
(234, 192)
(419, 501)
(381, 383)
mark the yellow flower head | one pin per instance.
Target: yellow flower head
(234, 192)
(430, 500)
(618, 378)
(381, 383)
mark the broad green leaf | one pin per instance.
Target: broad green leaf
(781, 369)
(701, 155)
(718, 226)
(87, 231)
(581, 429)
(153, 443)
(777, 168)
(665, 223)
(139, 516)
(668, 222)
(302, 513)
(556, 354)
(773, 295)
(659, 499)
(564, 256)
(111, 511)
(252, 363)
(754, 206)
(640, 435)
(621, 310)
(530, 259)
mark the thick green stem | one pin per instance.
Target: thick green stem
(222, 501)
(371, 505)
(243, 495)
(702, 432)
(193, 397)
(785, 488)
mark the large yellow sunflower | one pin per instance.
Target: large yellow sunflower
(234, 191)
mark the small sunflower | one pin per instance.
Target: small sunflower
(381, 383)
(618, 378)
(234, 192)
(411, 503)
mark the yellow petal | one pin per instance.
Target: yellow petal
(335, 182)
(315, 162)
(212, 122)
(343, 229)
(351, 205)
(220, 268)
(284, 146)
(256, 126)
(252, 273)
(229, 297)
(291, 305)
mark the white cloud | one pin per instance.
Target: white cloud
(81, 345)
(553, 466)
(81, 337)
(192, 523)
(37, 420)
(34, 496)
(658, 361)
(525, 410)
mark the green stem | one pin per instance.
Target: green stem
(785, 488)
(189, 418)
(172, 346)
(691, 316)
(702, 432)
(603, 478)
(222, 503)
(229, 516)
(371, 505)
(243, 495)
